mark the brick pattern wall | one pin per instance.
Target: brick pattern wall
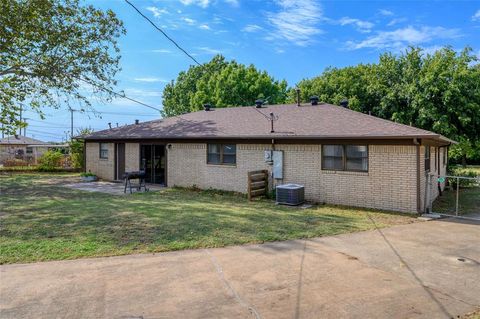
(390, 183)
(104, 168)
(132, 157)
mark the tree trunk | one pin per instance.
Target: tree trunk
(464, 160)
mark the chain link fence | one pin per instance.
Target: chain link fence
(454, 195)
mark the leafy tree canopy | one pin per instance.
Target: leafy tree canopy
(439, 92)
(222, 84)
(52, 53)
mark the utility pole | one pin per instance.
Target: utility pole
(20, 129)
(25, 128)
(71, 123)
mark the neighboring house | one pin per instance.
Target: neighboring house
(24, 148)
(339, 155)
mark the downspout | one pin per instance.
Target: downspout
(417, 144)
(84, 156)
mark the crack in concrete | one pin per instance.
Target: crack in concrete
(229, 287)
(449, 296)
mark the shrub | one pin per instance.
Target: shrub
(87, 174)
(465, 172)
(50, 161)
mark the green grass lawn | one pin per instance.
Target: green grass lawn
(43, 220)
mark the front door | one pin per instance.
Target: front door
(152, 157)
(120, 162)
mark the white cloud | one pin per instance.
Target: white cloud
(208, 50)
(188, 21)
(396, 21)
(131, 92)
(150, 80)
(476, 16)
(385, 12)
(295, 22)
(232, 2)
(403, 37)
(161, 51)
(200, 3)
(362, 26)
(252, 28)
(204, 27)
(157, 12)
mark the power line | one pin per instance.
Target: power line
(122, 95)
(163, 32)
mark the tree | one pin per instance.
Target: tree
(439, 92)
(53, 53)
(77, 148)
(222, 84)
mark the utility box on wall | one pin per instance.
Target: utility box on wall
(277, 157)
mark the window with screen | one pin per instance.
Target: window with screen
(104, 150)
(345, 158)
(222, 154)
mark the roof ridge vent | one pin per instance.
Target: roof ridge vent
(258, 103)
(344, 103)
(207, 107)
(314, 100)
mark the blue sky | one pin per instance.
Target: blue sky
(289, 39)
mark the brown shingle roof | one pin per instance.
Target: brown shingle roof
(321, 121)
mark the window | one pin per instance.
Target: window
(333, 157)
(427, 158)
(29, 150)
(222, 154)
(104, 150)
(345, 157)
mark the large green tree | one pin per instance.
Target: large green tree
(438, 92)
(220, 83)
(53, 53)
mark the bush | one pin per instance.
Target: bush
(87, 174)
(50, 161)
(465, 172)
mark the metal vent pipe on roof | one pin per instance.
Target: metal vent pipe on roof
(137, 121)
(258, 103)
(344, 103)
(314, 100)
(207, 107)
(298, 96)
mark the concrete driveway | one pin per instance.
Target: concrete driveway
(422, 270)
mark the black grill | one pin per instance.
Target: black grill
(140, 175)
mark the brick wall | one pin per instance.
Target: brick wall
(132, 157)
(390, 183)
(104, 168)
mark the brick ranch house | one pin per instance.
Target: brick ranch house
(21, 147)
(340, 156)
